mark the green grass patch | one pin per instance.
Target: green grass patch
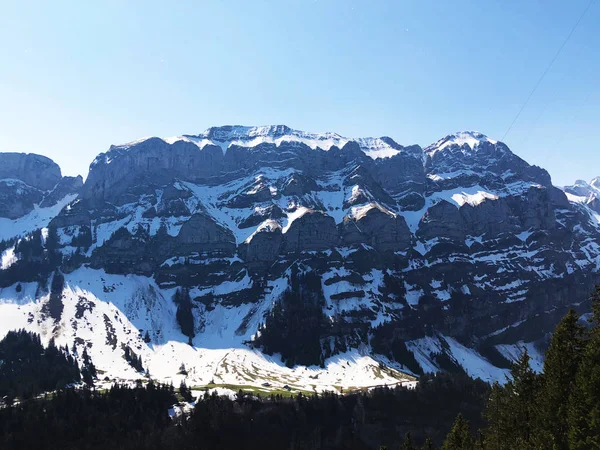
(260, 391)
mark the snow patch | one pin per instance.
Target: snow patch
(36, 219)
(470, 139)
(8, 258)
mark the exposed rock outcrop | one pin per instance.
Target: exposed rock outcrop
(203, 234)
(35, 170)
(376, 226)
(27, 180)
(263, 246)
(312, 230)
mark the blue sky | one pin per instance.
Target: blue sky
(78, 76)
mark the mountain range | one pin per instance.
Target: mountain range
(221, 257)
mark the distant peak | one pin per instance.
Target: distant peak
(471, 139)
(226, 136)
(235, 132)
(595, 183)
(582, 183)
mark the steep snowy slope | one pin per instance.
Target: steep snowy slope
(106, 313)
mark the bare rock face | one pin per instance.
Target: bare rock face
(259, 193)
(172, 208)
(442, 220)
(66, 186)
(299, 184)
(17, 198)
(153, 158)
(260, 214)
(365, 188)
(172, 202)
(27, 180)
(77, 215)
(537, 210)
(490, 218)
(403, 176)
(35, 170)
(531, 211)
(142, 253)
(376, 226)
(201, 233)
(313, 230)
(263, 246)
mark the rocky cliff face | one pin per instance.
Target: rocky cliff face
(36, 171)
(585, 193)
(459, 249)
(27, 180)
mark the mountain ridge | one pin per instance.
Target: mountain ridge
(461, 252)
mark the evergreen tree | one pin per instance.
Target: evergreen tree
(460, 437)
(584, 405)
(182, 369)
(184, 315)
(560, 372)
(297, 323)
(510, 411)
(185, 392)
(88, 372)
(27, 368)
(408, 443)
(55, 305)
(134, 360)
(428, 444)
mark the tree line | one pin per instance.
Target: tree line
(27, 368)
(137, 418)
(558, 408)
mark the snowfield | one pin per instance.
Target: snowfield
(36, 219)
(104, 313)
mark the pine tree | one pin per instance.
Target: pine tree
(296, 324)
(460, 437)
(185, 392)
(407, 444)
(560, 372)
(584, 405)
(182, 369)
(428, 444)
(55, 305)
(88, 372)
(184, 315)
(510, 411)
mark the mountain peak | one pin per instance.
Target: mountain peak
(250, 136)
(582, 183)
(471, 139)
(242, 133)
(246, 136)
(234, 132)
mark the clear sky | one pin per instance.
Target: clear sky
(78, 76)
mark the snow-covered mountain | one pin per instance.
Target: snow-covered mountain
(32, 192)
(585, 193)
(460, 253)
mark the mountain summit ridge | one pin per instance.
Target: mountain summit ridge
(461, 253)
